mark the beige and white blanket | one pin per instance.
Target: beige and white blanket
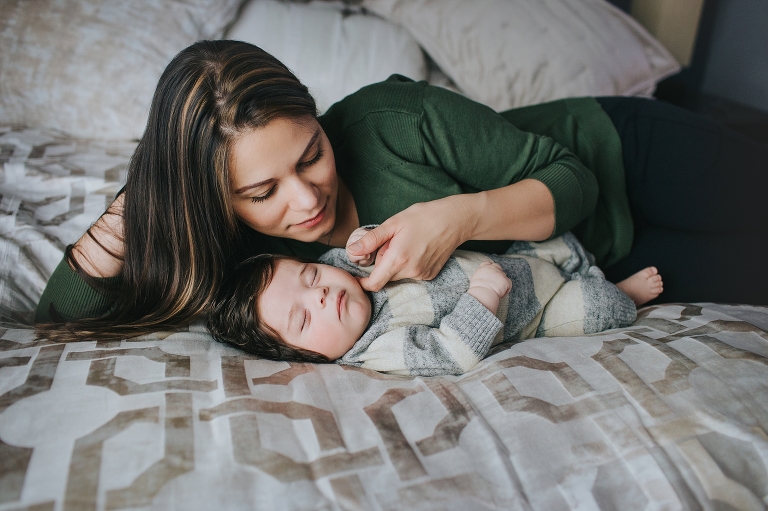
(667, 414)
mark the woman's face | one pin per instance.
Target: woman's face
(283, 180)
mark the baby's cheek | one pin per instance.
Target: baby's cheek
(326, 340)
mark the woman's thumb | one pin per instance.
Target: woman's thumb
(370, 242)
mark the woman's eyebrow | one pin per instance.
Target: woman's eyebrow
(311, 143)
(245, 188)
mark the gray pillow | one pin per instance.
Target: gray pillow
(511, 53)
(90, 67)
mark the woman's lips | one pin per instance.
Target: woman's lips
(339, 301)
(314, 220)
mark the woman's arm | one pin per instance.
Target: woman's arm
(422, 237)
(508, 184)
(99, 252)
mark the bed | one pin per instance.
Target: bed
(669, 413)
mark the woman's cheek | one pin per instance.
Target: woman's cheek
(260, 217)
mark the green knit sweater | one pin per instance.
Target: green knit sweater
(400, 142)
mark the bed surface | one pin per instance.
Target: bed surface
(667, 414)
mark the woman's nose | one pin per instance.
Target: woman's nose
(304, 197)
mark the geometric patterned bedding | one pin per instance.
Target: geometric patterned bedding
(671, 413)
(52, 187)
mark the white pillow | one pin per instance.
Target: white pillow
(90, 67)
(332, 50)
(509, 53)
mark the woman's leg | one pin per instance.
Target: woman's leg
(699, 198)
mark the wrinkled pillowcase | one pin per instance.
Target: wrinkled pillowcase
(334, 50)
(510, 53)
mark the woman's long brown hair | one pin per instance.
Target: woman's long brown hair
(179, 225)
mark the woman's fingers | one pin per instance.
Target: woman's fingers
(386, 268)
(393, 263)
(371, 242)
(356, 235)
(411, 247)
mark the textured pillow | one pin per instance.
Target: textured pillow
(334, 50)
(90, 67)
(509, 53)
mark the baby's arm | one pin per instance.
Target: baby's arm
(488, 284)
(456, 346)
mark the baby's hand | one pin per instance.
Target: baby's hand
(488, 284)
(364, 260)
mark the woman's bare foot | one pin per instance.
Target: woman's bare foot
(643, 286)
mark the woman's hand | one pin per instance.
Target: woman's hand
(417, 242)
(99, 251)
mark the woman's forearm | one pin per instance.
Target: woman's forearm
(521, 211)
(99, 251)
(422, 237)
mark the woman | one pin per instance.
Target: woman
(234, 161)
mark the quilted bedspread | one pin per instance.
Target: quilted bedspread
(669, 414)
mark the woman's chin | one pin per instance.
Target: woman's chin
(309, 236)
(319, 232)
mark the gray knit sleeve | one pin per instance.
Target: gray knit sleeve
(456, 346)
(475, 324)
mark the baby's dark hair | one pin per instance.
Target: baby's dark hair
(233, 317)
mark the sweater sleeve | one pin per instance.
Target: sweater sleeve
(481, 150)
(71, 297)
(456, 346)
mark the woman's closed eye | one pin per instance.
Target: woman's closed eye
(316, 158)
(262, 198)
(302, 165)
(305, 321)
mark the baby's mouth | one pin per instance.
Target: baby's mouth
(339, 301)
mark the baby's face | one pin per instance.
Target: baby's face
(315, 306)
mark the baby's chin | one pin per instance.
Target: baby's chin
(366, 313)
(364, 320)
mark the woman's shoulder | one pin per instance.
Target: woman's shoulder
(396, 95)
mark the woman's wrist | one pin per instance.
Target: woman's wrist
(468, 208)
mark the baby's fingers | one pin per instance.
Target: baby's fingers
(360, 260)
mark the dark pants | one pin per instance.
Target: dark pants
(698, 192)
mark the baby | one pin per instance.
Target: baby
(283, 308)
